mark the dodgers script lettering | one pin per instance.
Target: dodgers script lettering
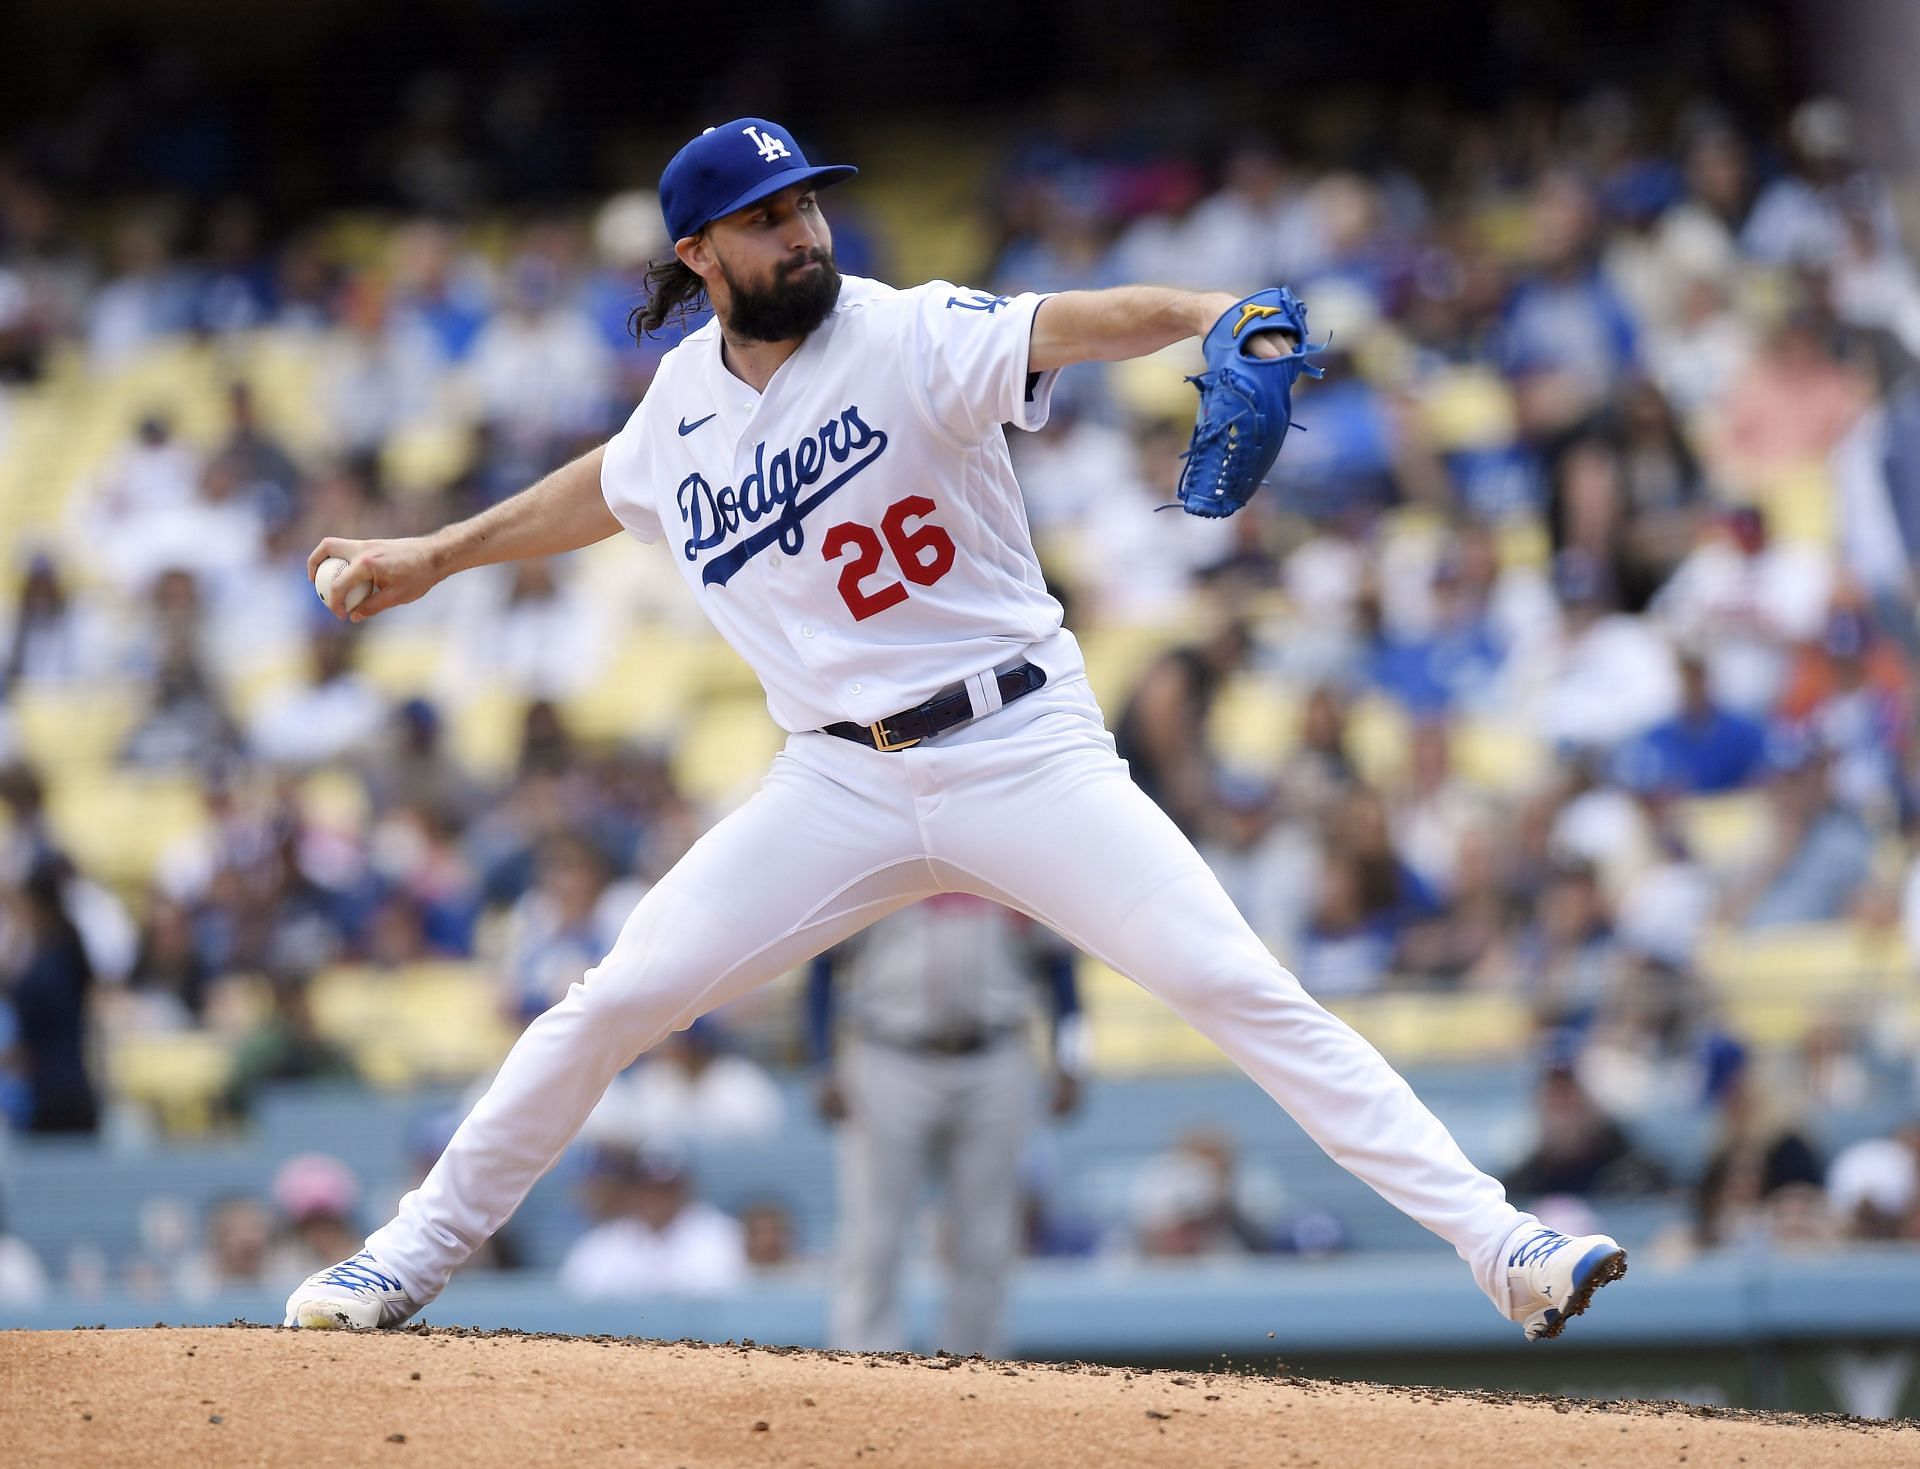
(773, 487)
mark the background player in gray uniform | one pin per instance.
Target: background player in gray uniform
(936, 1082)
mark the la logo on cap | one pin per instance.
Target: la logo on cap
(770, 147)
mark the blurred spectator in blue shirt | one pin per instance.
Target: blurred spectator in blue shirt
(1066, 252)
(628, 236)
(1818, 853)
(234, 292)
(1569, 337)
(1347, 459)
(1704, 749)
(1369, 899)
(1347, 946)
(563, 926)
(436, 289)
(1453, 663)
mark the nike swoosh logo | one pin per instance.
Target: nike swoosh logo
(687, 428)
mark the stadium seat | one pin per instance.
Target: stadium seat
(644, 693)
(430, 1023)
(1116, 656)
(725, 750)
(180, 1077)
(117, 824)
(1498, 756)
(1777, 984)
(1255, 723)
(1807, 961)
(77, 728)
(1467, 408)
(1134, 1032)
(485, 731)
(400, 664)
(1433, 1029)
(1377, 733)
(1724, 831)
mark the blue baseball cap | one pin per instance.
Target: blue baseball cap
(731, 166)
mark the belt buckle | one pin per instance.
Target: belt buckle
(882, 741)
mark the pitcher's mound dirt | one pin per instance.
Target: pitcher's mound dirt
(239, 1395)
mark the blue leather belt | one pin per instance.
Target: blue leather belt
(946, 710)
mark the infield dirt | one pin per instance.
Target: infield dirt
(253, 1395)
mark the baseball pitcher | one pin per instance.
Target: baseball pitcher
(826, 461)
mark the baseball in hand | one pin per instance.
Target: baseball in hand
(323, 582)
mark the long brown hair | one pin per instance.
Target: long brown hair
(673, 290)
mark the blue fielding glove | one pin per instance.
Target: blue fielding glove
(1246, 403)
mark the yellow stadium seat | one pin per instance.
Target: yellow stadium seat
(1798, 500)
(1523, 542)
(335, 799)
(255, 685)
(1812, 962)
(117, 824)
(400, 665)
(1724, 832)
(1498, 756)
(421, 460)
(279, 367)
(645, 692)
(722, 754)
(485, 731)
(1116, 656)
(181, 1076)
(1254, 723)
(178, 377)
(76, 728)
(1468, 408)
(430, 1022)
(717, 672)
(1377, 732)
(1133, 1031)
(1431, 1029)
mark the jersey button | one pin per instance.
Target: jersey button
(806, 632)
(853, 688)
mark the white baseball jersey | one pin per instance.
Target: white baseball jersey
(855, 532)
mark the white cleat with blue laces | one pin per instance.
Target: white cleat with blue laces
(358, 1294)
(1551, 1277)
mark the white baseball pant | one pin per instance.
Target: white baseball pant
(1028, 806)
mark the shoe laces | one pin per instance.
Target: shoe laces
(359, 1273)
(1537, 1247)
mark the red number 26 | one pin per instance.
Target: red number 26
(924, 555)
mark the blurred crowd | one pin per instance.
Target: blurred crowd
(1608, 507)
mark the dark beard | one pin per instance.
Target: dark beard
(788, 309)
